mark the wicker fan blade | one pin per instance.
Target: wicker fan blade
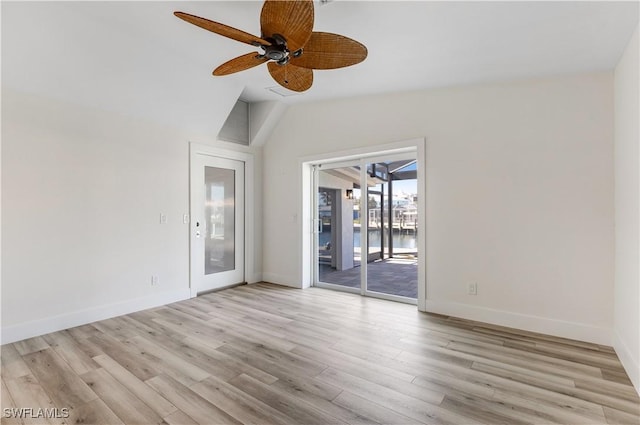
(291, 77)
(239, 64)
(325, 50)
(291, 19)
(222, 29)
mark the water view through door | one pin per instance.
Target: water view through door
(385, 261)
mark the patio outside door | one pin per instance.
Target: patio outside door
(217, 223)
(364, 242)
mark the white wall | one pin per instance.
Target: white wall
(82, 194)
(627, 212)
(519, 195)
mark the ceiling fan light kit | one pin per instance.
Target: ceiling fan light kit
(288, 44)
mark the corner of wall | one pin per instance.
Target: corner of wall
(278, 279)
(626, 358)
(626, 338)
(263, 119)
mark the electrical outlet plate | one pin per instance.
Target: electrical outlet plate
(155, 280)
(473, 288)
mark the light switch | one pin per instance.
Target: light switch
(163, 219)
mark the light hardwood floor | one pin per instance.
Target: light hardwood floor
(265, 354)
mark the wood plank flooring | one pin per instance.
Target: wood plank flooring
(265, 354)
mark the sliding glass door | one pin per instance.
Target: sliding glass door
(337, 226)
(361, 227)
(392, 266)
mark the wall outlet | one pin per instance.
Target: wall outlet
(472, 288)
(155, 280)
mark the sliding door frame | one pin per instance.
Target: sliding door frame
(316, 168)
(364, 230)
(309, 207)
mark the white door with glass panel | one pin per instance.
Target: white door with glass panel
(217, 223)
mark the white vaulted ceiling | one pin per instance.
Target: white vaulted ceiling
(137, 58)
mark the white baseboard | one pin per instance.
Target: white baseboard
(39, 327)
(560, 328)
(254, 278)
(280, 280)
(628, 362)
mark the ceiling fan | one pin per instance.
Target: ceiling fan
(290, 47)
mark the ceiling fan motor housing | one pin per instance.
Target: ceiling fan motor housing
(278, 50)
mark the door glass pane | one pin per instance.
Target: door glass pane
(339, 227)
(392, 262)
(219, 223)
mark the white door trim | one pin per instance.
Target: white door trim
(249, 193)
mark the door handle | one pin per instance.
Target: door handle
(317, 224)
